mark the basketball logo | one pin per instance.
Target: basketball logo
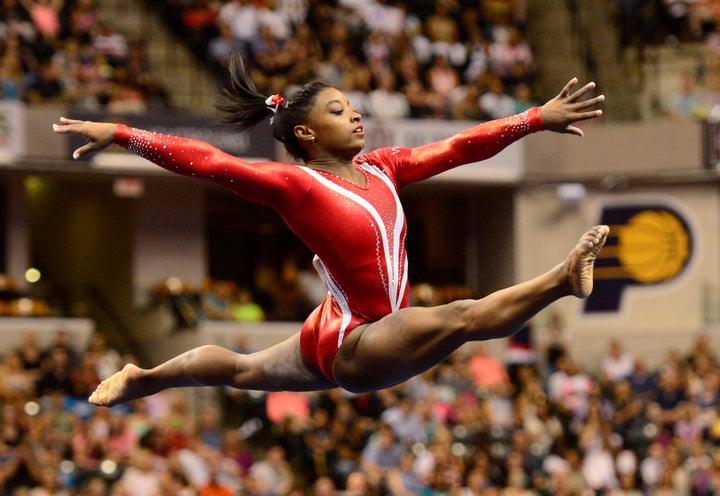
(653, 246)
(648, 245)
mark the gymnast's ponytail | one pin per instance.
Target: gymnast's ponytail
(241, 102)
(244, 106)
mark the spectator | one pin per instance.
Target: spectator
(139, 479)
(382, 17)
(200, 21)
(271, 476)
(15, 22)
(643, 381)
(523, 96)
(245, 309)
(107, 360)
(12, 76)
(554, 343)
(652, 467)
(466, 104)
(241, 16)
(95, 486)
(209, 428)
(405, 421)
(56, 373)
(688, 428)
(320, 441)
(45, 15)
(46, 86)
(404, 480)
(487, 371)
(598, 466)
(295, 10)
(386, 102)
(444, 33)
(543, 427)
(62, 339)
(17, 382)
(668, 397)
(355, 83)
(442, 81)
(495, 102)
(617, 364)
(126, 96)
(358, 484)
(111, 44)
(324, 486)
(82, 20)
(511, 58)
(221, 46)
(276, 20)
(213, 487)
(686, 102)
(381, 454)
(282, 406)
(235, 449)
(570, 388)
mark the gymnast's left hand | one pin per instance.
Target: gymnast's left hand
(568, 107)
(98, 134)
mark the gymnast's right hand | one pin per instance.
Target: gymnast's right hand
(98, 134)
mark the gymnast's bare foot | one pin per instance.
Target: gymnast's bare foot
(118, 388)
(578, 267)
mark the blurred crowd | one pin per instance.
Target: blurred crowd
(667, 21)
(480, 423)
(449, 59)
(59, 51)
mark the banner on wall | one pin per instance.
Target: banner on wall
(712, 144)
(254, 144)
(12, 130)
(506, 166)
(258, 144)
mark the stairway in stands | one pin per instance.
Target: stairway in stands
(549, 31)
(191, 86)
(580, 38)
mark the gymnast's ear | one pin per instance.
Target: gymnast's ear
(304, 134)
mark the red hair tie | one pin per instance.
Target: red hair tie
(274, 101)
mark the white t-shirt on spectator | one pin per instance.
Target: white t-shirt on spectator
(618, 368)
(388, 104)
(242, 20)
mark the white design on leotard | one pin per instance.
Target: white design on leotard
(396, 289)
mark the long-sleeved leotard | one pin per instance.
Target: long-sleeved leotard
(357, 231)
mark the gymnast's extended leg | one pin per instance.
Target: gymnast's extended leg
(412, 340)
(278, 368)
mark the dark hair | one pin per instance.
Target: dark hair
(244, 106)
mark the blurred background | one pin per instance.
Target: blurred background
(111, 260)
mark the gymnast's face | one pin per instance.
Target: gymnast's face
(333, 128)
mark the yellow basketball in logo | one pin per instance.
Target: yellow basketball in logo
(653, 246)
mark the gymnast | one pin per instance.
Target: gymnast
(344, 205)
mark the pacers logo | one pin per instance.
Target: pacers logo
(648, 245)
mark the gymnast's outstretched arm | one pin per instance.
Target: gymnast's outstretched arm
(269, 183)
(487, 139)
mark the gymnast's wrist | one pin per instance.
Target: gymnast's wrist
(534, 116)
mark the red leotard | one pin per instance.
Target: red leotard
(356, 231)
